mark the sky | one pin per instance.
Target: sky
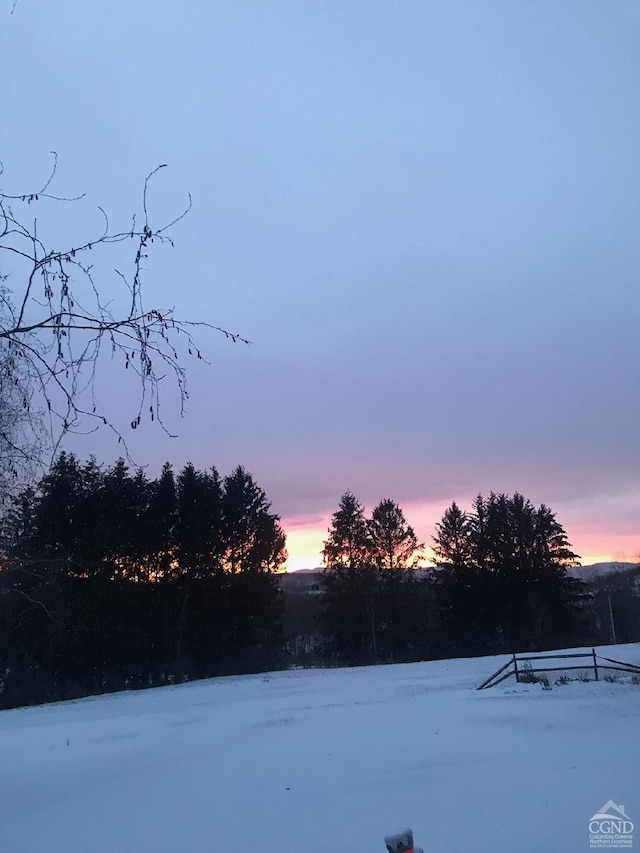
(423, 215)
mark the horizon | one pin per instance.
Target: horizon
(306, 533)
(305, 541)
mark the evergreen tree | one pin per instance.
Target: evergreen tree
(395, 551)
(252, 537)
(199, 526)
(78, 614)
(503, 583)
(452, 540)
(61, 511)
(140, 491)
(391, 541)
(347, 544)
(253, 549)
(350, 586)
(369, 593)
(162, 517)
(113, 521)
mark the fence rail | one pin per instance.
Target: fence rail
(511, 666)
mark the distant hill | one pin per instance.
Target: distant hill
(300, 581)
(597, 570)
(305, 571)
(306, 578)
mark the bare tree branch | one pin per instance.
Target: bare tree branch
(34, 601)
(54, 320)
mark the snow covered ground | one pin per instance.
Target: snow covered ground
(324, 760)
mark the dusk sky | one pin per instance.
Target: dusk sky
(424, 214)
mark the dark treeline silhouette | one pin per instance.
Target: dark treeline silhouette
(113, 580)
(501, 584)
(616, 605)
(373, 603)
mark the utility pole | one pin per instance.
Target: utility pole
(612, 624)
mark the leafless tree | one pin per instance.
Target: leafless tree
(58, 319)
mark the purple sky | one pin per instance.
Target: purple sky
(425, 216)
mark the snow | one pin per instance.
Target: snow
(323, 760)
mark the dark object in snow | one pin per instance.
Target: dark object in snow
(401, 842)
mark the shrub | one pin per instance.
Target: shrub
(527, 676)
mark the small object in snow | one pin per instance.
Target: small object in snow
(401, 842)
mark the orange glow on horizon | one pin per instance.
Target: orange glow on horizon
(304, 545)
(306, 536)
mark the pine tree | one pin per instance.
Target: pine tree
(199, 525)
(350, 586)
(503, 582)
(252, 536)
(395, 551)
(77, 613)
(392, 542)
(162, 517)
(347, 544)
(452, 545)
(369, 590)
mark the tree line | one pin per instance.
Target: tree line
(501, 583)
(113, 580)
(110, 580)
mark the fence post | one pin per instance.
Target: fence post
(515, 668)
(595, 663)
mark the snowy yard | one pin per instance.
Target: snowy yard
(317, 761)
